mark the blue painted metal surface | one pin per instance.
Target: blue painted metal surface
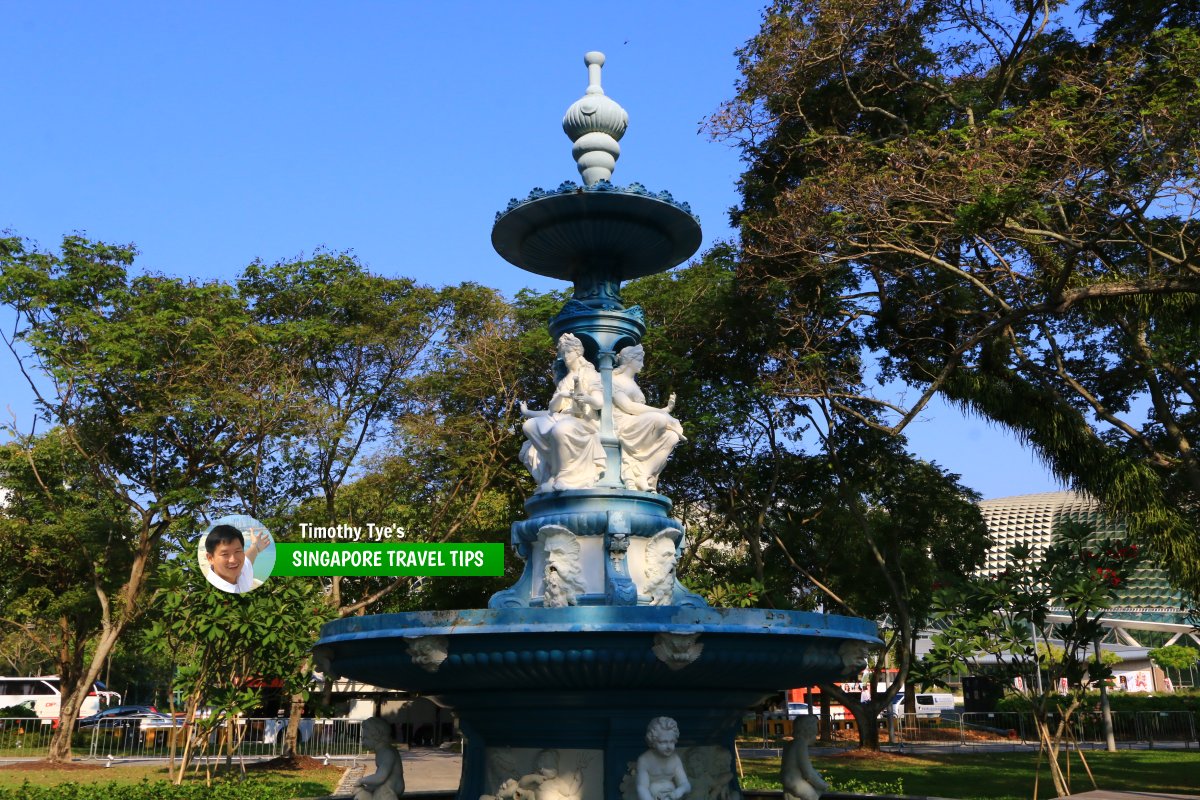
(589, 677)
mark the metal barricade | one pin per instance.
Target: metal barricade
(246, 737)
(984, 727)
(917, 729)
(1163, 727)
(24, 737)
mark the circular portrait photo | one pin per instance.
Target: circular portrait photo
(236, 554)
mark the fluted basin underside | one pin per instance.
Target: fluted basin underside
(593, 648)
(618, 233)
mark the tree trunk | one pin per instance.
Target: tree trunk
(73, 696)
(291, 734)
(868, 727)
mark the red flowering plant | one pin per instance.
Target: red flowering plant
(1002, 625)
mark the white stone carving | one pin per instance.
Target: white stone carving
(710, 770)
(677, 650)
(555, 775)
(428, 652)
(563, 450)
(562, 581)
(387, 782)
(800, 780)
(659, 770)
(854, 657)
(594, 123)
(660, 568)
(647, 434)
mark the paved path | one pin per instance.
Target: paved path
(425, 770)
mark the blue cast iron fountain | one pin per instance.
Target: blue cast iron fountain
(563, 671)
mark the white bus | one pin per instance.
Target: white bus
(43, 695)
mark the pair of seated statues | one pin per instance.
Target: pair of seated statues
(562, 448)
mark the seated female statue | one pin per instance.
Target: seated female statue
(647, 434)
(563, 450)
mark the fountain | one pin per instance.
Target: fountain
(555, 683)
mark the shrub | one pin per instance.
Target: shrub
(152, 790)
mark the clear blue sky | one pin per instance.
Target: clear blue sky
(211, 134)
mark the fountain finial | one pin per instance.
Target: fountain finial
(594, 123)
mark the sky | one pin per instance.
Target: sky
(213, 134)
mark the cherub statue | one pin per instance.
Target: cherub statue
(660, 568)
(800, 780)
(563, 450)
(387, 782)
(659, 770)
(563, 578)
(546, 782)
(647, 434)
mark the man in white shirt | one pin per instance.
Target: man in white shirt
(231, 563)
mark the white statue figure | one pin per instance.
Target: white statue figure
(387, 782)
(647, 434)
(677, 650)
(660, 569)
(563, 579)
(428, 652)
(563, 450)
(710, 771)
(544, 783)
(853, 654)
(660, 774)
(800, 781)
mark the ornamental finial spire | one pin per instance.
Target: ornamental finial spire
(594, 123)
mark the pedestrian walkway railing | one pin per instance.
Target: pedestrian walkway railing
(141, 738)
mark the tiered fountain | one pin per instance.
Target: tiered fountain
(562, 673)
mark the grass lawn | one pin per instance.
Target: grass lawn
(1000, 776)
(311, 782)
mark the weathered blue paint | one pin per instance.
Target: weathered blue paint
(587, 677)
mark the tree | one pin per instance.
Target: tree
(1174, 656)
(160, 388)
(61, 551)
(1002, 207)
(877, 530)
(224, 646)
(807, 503)
(1004, 617)
(355, 340)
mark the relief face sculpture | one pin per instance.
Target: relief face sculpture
(563, 449)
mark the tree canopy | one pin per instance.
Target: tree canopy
(998, 201)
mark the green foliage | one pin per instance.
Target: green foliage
(1000, 617)
(21, 710)
(1121, 702)
(1174, 656)
(734, 595)
(1013, 227)
(228, 789)
(995, 775)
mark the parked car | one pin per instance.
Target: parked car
(150, 722)
(116, 717)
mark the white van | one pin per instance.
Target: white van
(42, 694)
(929, 704)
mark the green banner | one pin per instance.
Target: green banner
(389, 559)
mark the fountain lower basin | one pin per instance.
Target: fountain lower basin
(586, 680)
